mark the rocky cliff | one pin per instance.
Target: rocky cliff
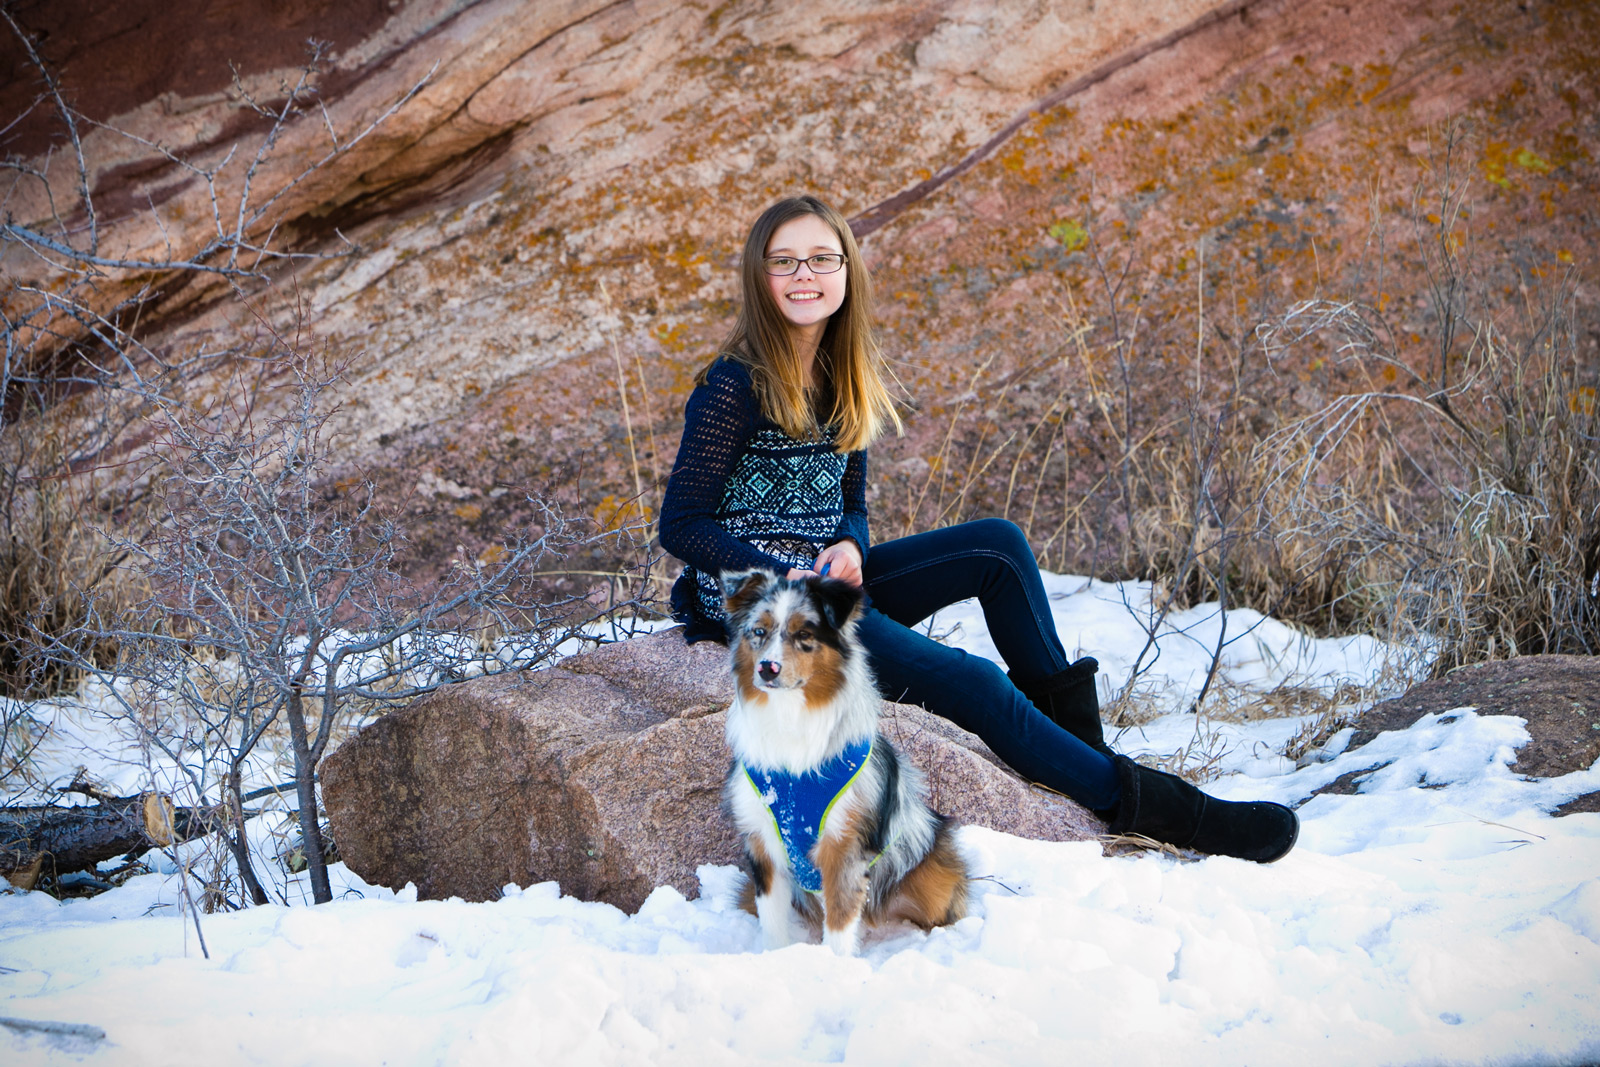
(552, 215)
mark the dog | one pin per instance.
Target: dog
(836, 825)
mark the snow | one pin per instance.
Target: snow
(1438, 915)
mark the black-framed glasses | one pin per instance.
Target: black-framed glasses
(783, 266)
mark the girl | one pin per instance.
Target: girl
(772, 473)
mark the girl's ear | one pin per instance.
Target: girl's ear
(740, 589)
(836, 601)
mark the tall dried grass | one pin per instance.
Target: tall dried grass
(1483, 533)
(1440, 486)
(53, 558)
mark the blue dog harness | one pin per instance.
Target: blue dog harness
(799, 805)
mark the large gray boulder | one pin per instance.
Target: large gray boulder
(604, 774)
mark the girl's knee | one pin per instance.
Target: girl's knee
(1003, 535)
(990, 675)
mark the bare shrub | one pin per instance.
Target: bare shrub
(51, 557)
(276, 602)
(1497, 551)
(182, 552)
(70, 314)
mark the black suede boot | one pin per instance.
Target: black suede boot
(1068, 699)
(1167, 808)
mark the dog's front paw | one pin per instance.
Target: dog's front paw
(844, 941)
(777, 930)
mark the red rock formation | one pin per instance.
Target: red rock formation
(571, 184)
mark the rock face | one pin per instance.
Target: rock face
(604, 774)
(555, 215)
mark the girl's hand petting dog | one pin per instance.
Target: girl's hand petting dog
(841, 561)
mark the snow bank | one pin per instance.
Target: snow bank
(1438, 915)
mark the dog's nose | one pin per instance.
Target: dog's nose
(768, 670)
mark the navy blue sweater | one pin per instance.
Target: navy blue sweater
(744, 494)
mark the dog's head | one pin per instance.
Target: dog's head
(790, 634)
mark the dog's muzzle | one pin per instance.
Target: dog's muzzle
(769, 670)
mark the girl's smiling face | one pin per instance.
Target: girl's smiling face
(805, 298)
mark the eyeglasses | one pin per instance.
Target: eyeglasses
(826, 263)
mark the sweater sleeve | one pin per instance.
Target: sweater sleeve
(719, 419)
(853, 523)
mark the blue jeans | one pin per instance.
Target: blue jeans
(911, 578)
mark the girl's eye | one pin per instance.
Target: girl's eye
(781, 264)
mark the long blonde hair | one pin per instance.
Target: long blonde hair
(761, 339)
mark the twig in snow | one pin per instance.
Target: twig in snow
(47, 1026)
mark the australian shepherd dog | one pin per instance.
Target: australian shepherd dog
(836, 826)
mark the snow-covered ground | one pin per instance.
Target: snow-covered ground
(1440, 915)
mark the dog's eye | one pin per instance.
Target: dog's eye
(756, 631)
(803, 639)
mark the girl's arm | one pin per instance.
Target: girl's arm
(720, 417)
(853, 524)
(844, 558)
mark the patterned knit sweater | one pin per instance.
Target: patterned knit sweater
(744, 494)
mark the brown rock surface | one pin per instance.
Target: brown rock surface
(577, 174)
(1559, 696)
(604, 774)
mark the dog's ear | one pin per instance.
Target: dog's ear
(837, 602)
(740, 589)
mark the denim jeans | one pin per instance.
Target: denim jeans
(911, 578)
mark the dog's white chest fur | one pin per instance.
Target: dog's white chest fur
(781, 732)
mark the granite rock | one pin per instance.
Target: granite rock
(605, 775)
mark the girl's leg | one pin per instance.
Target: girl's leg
(975, 694)
(912, 577)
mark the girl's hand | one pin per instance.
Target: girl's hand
(843, 561)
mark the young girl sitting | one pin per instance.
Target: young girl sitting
(772, 473)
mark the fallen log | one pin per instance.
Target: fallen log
(58, 840)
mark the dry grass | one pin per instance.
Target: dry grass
(1426, 473)
(55, 564)
(1483, 530)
